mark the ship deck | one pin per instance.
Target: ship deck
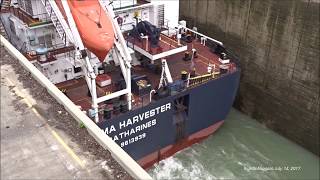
(25, 17)
(77, 90)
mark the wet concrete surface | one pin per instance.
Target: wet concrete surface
(39, 139)
(277, 44)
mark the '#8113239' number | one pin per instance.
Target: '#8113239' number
(132, 140)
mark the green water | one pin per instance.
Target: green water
(241, 149)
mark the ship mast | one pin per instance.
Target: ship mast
(68, 31)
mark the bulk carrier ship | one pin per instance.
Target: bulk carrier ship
(148, 81)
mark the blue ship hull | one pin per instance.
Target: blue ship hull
(171, 120)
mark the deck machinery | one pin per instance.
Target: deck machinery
(148, 81)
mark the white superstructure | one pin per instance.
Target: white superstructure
(40, 31)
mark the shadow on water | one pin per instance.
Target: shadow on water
(241, 149)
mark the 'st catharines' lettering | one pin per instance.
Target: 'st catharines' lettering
(125, 124)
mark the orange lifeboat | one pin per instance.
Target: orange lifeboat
(94, 26)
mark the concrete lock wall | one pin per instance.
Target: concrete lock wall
(277, 43)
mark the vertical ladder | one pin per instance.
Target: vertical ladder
(58, 21)
(180, 116)
(161, 15)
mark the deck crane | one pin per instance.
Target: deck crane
(68, 29)
(166, 77)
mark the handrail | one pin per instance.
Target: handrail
(130, 165)
(200, 34)
(200, 79)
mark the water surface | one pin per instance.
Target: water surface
(241, 149)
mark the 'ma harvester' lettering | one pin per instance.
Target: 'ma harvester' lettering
(136, 119)
(145, 115)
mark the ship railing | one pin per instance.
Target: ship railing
(136, 101)
(51, 55)
(132, 42)
(22, 15)
(198, 80)
(166, 26)
(233, 57)
(194, 81)
(123, 158)
(42, 18)
(201, 35)
(171, 32)
(216, 46)
(219, 49)
(58, 46)
(30, 20)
